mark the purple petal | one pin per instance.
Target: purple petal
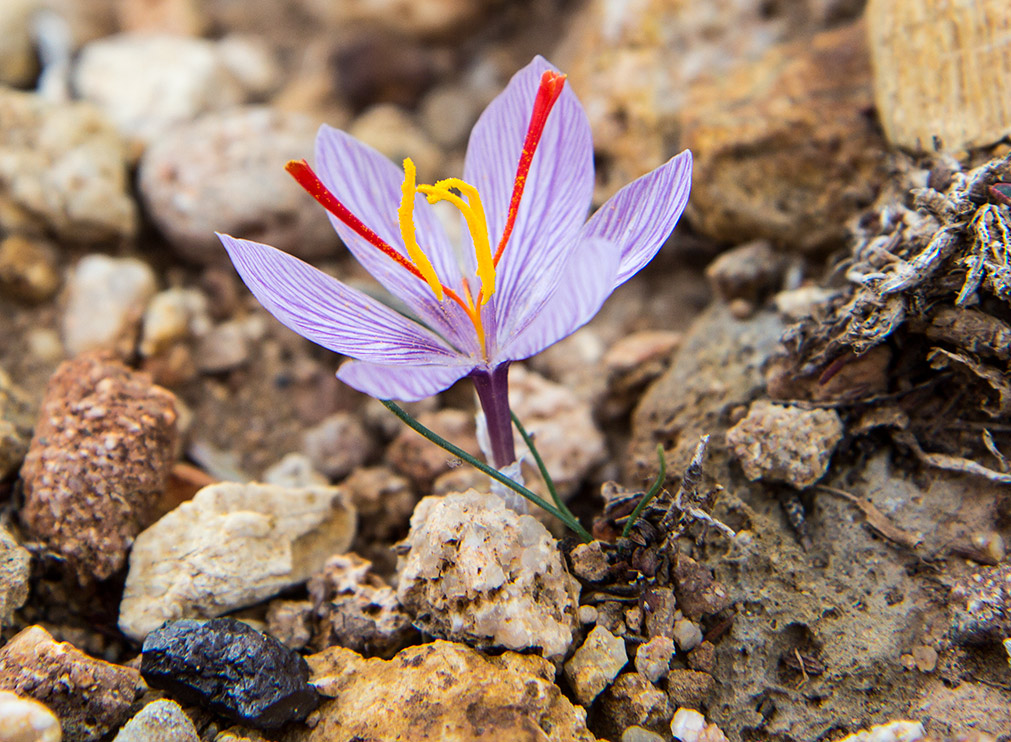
(558, 189)
(640, 217)
(370, 186)
(398, 382)
(327, 312)
(586, 282)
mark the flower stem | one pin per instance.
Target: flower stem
(498, 476)
(648, 497)
(493, 394)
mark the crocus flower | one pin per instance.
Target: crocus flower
(532, 271)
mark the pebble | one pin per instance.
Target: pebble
(289, 621)
(982, 606)
(384, 501)
(443, 691)
(355, 608)
(893, 731)
(164, 721)
(225, 172)
(105, 301)
(749, 272)
(561, 425)
(652, 658)
(90, 697)
(226, 346)
(589, 562)
(231, 546)
(778, 443)
(393, 132)
(252, 62)
(227, 667)
(173, 316)
(15, 571)
(98, 464)
(146, 82)
(698, 594)
(689, 688)
(296, 470)
(338, 445)
(18, 64)
(28, 269)
(660, 607)
(632, 700)
(638, 734)
(476, 571)
(595, 664)
(63, 170)
(16, 424)
(688, 725)
(27, 720)
(420, 460)
(687, 634)
(703, 657)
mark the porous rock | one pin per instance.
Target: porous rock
(90, 697)
(443, 691)
(105, 301)
(15, 570)
(16, 423)
(689, 688)
(595, 664)
(652, 658)
(224, 172)
(632, 700)
(698, 593)
(231, 669)
(785, 444)
(146, 82)
(232, 545)
(355, 608)
(99, 461)
(479, 572)
(62, 169)
(27, 720)
(289, 621)
(162, 720)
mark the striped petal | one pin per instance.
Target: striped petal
(408, 384)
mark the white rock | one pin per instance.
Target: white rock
(295, 470)
(893, 731)
(27, 720)
(232, 545)
(687, 634)
(163, 720)
(147, 82)
(173, 316)
(688, 725)
(652, 658)
(481, 573)
(338, 445)
(251, 61)
(105, 300)
(638, 734)
(595, 664)
(561, 425)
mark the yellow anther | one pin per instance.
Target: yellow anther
(477, 224)
(406, 216)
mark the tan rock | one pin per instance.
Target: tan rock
(231, 546)
(15, 570)
(595, 664)
(28, 269)
(784, 151)
(17, 419)
(27, 720)
(394, 132)
(442, 691)
(941, 70)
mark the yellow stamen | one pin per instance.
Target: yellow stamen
(406, 216)
(477, 224)
(475, 316)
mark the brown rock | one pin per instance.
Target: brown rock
(689, 688)
(98, 463)
(659, 604)
(697, 592)
(442, 691)
(422, 461)
(384, 502)
(747, 272)
(784, 151)
(16, 420)
(634, 701)
(90, 697)
(703, 657)
(941, 70)
(28, 269)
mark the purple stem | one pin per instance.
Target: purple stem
(493, 393)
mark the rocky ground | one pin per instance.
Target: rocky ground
(205, 536)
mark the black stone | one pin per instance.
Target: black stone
(231, 669)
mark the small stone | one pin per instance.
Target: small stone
(62, 170)
(633, 619)
(595, 664)
(444, 691)
(422, 461)
(785, 444)
(289, 621)
(231, 546)
(393, 131)
(227, 667)
(634, 701)
(587, 614)
(632, 362)
(148, 82)
(105, 301)
(925, 658)
(652, 658)
(338, 445)
(689, 688)
(252, 62)
(688, 725)
(698, 594)
(983, 606)
(28, 269)
(384, 501)
(15, 571)
(16, 423)
(163, 720)
(89, 696)
(589, 562)
(293, 471)
(18, 63)
(27, 720)
(355, 608)
(225, 346)
(98, 464)
(659, 606)
(893, 731)
(221, 173)
(750, 272)
(638, 734)
(687, 634)
(703, 657)
(475, 570)
(173, 316)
